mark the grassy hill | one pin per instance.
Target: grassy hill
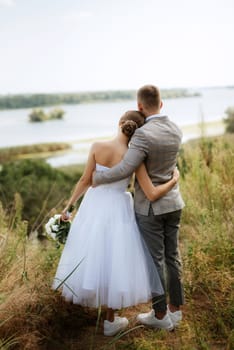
(34, 317)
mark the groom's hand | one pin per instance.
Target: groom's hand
(176, 175)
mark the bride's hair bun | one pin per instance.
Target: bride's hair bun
(128, 127)
(130, 121)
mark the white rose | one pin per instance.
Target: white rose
(53, 235)
(51, 221)
(48, 229)
(55, 228)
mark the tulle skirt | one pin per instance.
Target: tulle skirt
(105, 260)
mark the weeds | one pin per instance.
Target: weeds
(35, 317)
(12, 153)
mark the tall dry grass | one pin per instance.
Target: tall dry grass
(32, 316)
(207, 238)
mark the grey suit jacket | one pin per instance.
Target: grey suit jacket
(156, 143)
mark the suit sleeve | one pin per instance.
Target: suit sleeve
(135, 155)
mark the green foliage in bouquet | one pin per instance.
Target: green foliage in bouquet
(63, 230)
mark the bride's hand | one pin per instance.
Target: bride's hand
(176, 175)
(64, 215)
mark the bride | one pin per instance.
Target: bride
(105, 262)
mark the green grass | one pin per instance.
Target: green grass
(34, 317)
(31, 151)
(72, 169)
(207, 127)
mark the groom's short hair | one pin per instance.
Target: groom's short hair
(149, 96)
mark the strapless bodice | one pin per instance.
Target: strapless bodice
(117, 185)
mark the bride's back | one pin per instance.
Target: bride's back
(109, 153)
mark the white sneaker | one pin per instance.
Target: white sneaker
(112, 328)
(149, 319)
(175, 317)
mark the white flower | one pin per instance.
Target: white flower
(55, 228)
(52, 226)
(51, 221)
(48, 229)
(53, 235)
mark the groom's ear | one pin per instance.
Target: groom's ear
(140, 106)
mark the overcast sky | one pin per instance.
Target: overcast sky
(80, 45)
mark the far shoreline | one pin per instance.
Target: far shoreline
(78, 149)
(190, 132)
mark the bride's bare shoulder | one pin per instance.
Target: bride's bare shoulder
(101, 145)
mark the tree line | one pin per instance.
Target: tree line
(39, 100)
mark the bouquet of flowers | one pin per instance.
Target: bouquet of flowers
(58, 229)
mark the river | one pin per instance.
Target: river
(89, 121)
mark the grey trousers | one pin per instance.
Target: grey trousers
(161, 233)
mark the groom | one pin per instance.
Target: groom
(157, 144)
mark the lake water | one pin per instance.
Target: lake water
(90, 121)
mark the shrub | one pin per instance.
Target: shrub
(229, 121)
(56, 113)
(40, 186)
(38, 115)
(12, 153)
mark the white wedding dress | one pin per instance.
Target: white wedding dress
(115, 268)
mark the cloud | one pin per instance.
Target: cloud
(7, 3)
(77, 16)
(85, 14)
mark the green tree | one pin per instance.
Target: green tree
(40, 100)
